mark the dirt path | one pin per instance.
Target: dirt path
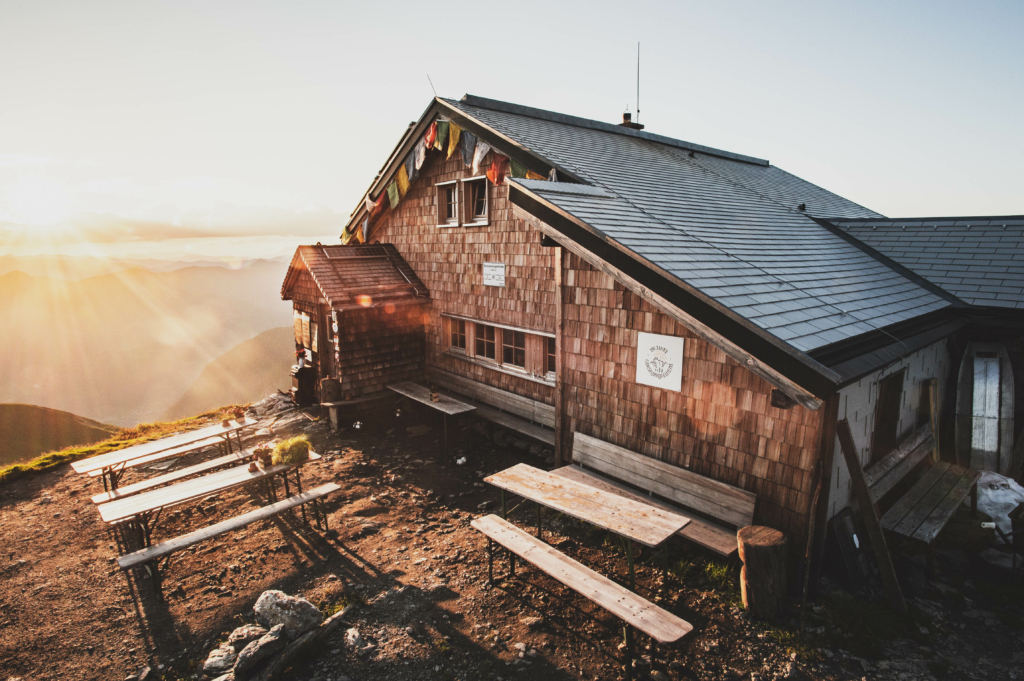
(402, 549)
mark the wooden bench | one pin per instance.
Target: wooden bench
(529, 417)
(634, 610)
(174, 452)
(150, 557)
(926, 507)
(728, 505)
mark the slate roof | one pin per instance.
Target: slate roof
(722, 223)
(352, 277)
(980, 260)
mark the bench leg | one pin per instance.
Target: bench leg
(627, 635)
(538, 521)
(490, 561)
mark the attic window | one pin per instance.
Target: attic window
(448, 204)
(475, 191)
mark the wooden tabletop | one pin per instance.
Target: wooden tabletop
(121, 456)
(196, 488)
(628, 518)
(415, 391)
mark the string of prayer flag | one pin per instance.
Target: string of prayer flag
(481, 151)
(403, 181)
(467, 147)
(421, 155)
(442, 135)
(516, 169)
(499, 168)
(455, 133)
(393, 194)
(411, 173)
(530, 175)
(431, 136)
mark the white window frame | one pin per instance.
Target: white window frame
(487, 201)
(456, 222)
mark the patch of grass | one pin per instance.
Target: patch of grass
(684, 568)
(125, 437)
(292, 450)
(794, 643)
(724, 579)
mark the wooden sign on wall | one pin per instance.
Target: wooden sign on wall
(659, 361)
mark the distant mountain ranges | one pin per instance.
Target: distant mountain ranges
(27, 430)
(126, 346)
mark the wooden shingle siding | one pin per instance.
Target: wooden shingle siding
(379, 348)
(720, 424)
(449, 261)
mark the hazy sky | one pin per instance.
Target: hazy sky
(170, 119)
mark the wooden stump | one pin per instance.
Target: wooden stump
(763, 578)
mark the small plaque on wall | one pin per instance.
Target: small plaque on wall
(659, 361)
(494, 274)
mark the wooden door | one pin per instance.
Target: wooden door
(985, 413)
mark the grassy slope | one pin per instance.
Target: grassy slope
(124, 437)
(245, 373)
(27, 431)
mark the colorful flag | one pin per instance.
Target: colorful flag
(393, 194)
(552, 176)
(499, 168)
(467, 147)
(372, 208)
(455, 133)
(530, 175)
(410, 168)
(428, 139)
(481, 151)
(421, 154)
(403, 180)
(366, 229)
(516, 169)
(442, 135)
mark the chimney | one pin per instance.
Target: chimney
(627, 122)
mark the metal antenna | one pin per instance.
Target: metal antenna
(638, 81)
(432, 84)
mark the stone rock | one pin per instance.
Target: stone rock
(269, 644)
(220, 661)
(296, 614)
(353, 639)
(532, 622)
(230, 676)
(144, 674)
(243, 636)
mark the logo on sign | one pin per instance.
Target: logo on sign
(658, 363)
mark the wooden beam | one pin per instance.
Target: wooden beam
(819, 510)
(867, 508)
(563, 437)
(745, 359)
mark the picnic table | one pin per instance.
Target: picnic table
(630, 519)
(112, 466)
(448, 406)
(143, 510)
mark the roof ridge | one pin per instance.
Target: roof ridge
(947, 218)
(543, 114)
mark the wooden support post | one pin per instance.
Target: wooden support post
(819, 511)
(933, 396)
(562, 434)
(867, 507)
(763, 578)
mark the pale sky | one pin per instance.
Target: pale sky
(187, 118)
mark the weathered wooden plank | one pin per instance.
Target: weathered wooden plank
(167, 478)
(171, 453)
(913, 496)
(900, 471)
(717, 499)
(867, 507)
(421, 394)
(533, 410)
(137, 451)
(937, 519)
(930, 500)
(875, 473)
(184, 541)
(636, 611)
(698, 530)
(517, 424)
(640, 522)
(188, 490)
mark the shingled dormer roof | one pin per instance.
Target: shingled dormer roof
(356, 277)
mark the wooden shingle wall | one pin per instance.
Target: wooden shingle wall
(720, 424)
(449, 260)
(380, 346)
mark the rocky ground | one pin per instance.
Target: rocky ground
(401, 556)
